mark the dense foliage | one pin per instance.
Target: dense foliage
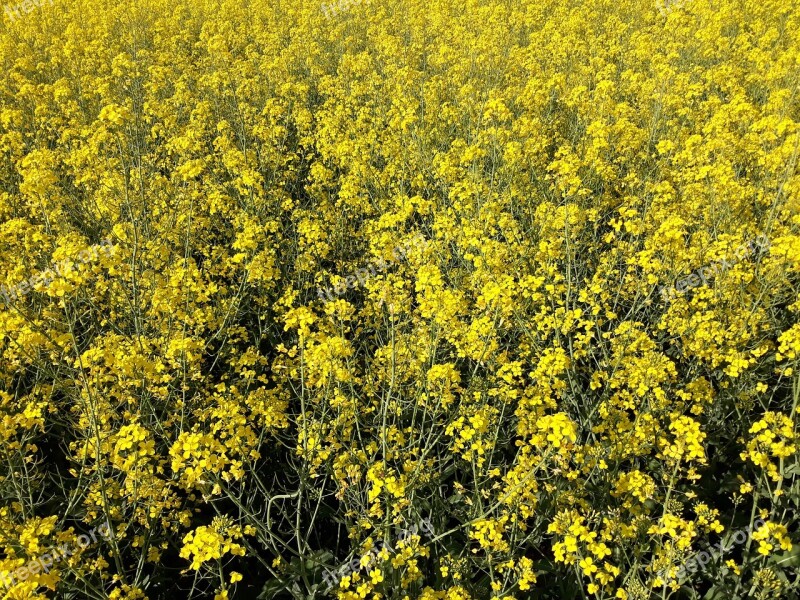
(393, 299)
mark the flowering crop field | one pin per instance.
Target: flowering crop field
(397, 300)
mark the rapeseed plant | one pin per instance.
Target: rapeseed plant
(525, 176)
